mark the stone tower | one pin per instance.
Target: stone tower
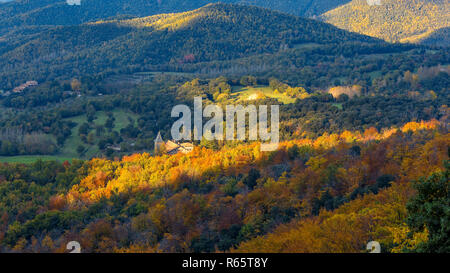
(159, 143)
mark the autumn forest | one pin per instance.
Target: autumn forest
(88, 155)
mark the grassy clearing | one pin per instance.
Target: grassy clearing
(338, 105)
(69, 151)
(142, 77)
(307, 46)
(375, 74)
(162, 73)
(32, 158)
(242, 93)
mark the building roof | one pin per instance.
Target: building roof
(173, 147)
(170, 145)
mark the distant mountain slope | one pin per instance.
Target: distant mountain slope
(439, 37)
(393, 20)
(304, 8)
(57, 12)
(214, 32)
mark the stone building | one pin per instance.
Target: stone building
(172, 147)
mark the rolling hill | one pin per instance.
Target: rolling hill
(57, 12)
(439, 37)
(418, 21)
(395, 20)
(211, 33)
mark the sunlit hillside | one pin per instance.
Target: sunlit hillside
(393, 20)
(338, 190)
(221, 31)
(23, 13)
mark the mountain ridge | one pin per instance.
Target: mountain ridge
(416, 21)
(57, 12)
(211, 33)
(394, 20)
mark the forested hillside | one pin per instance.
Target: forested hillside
(364, 126)
(57, 12)
(395, 20)
(106, 88)
(337, 190)
(85, 117)
(405, 21)
(221, 32)
(165, 43)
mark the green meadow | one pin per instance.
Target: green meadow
(71, 144)
(69, 150)
(242, 93)
(33, 158)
